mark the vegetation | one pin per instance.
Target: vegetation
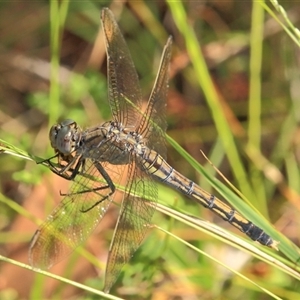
(233, 94)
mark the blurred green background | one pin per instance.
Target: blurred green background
(243, 114)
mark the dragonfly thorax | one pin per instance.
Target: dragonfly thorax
(65, 136)
(111, 142)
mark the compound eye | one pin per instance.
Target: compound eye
(53, 134)
(69, 123)
(65, 137)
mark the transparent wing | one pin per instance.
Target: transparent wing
(133, 221)
(74, 219)
(153, 123)
(123, 84)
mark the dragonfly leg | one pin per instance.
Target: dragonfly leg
(109, 182)
(47, 160)
(62, 170)
(85, 191)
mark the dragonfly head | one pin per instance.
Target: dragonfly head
(65, 136)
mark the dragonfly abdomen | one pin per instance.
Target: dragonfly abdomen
(230, 215)
(159, 168)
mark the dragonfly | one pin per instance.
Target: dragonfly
(128, 152)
